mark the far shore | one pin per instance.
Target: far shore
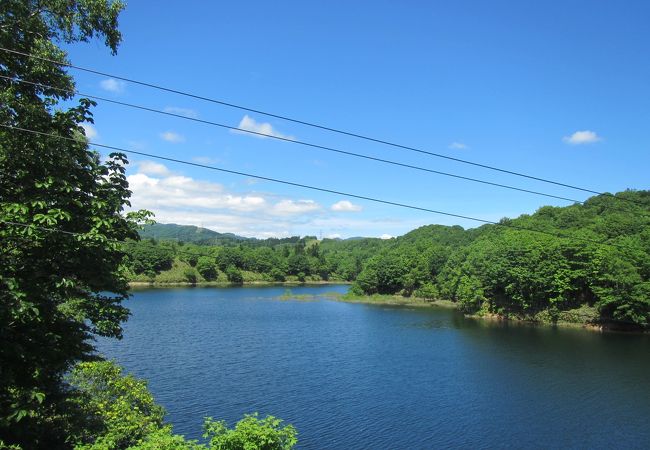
(141, 284)
(387, 300)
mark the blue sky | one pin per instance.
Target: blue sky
(560, 90)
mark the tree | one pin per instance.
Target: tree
(251, 433)
(61, 218)
(234, 275)
(190, 275)
(298, 263)
(124, 415)
(146, 257)
(207, 268)
(121, 407)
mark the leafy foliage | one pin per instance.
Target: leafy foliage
(600, 258)
(121, 408)
(125, 416)
(148, 258)
(207, 268)
(303, 259)
(251, 433)
(62, 279)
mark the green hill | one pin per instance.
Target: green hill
(188, 233)
(586, 262)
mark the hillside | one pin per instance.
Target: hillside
(188, 233)
(586, 262)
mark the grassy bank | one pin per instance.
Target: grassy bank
(396, 300)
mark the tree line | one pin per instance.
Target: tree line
(299, 259)
(589, 263)
(582, 263)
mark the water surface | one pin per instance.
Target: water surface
(370, 376)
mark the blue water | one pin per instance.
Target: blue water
(352, 376)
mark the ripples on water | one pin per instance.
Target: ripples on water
(371, 377)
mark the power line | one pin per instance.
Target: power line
(293, 141)
(313, 188)
(309, 124)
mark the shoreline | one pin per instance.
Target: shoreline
(396, 300)
(393, 300)
(154, 284)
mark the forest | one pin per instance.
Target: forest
(584, 263)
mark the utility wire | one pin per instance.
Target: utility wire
(309, 124)
(313, 188)
(293, 141)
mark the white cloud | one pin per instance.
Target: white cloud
(113, 85)
(153, 168)
(458, 146)
(263, 128)
(177, 191)
(345, 206)
(181, 199)
(182, 112)
(582, 137)
(386, 236)
(333, 236)
(91, 131)
(289, 207)
(172, 137)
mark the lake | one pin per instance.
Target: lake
(355, 376)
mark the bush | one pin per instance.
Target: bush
(121, 409)
(190, 275)
(145, 257)
(207, 268)
(121, 413)
(234, 275)
(250, 433)
(277, 274)
(427, 291)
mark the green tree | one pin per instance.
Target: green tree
(164, 439)
(427, 291)
(234, 275)
(230, 256)
(61, 218)
(207, 268)
(383, 274)
(147, 257)
(251, 433)
(277, 274)
(121, 408)
(297, 263)
(121, 414)
(190, 275)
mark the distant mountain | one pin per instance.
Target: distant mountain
(203, 236)
(188, 233)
